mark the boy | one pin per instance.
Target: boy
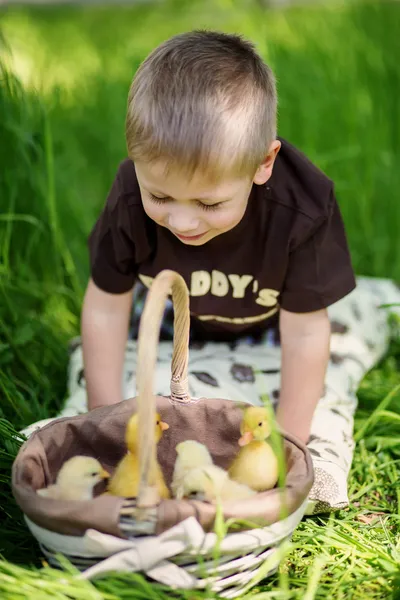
(209, 191)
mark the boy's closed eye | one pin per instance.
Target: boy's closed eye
(165, 199)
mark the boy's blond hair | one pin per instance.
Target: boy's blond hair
(203, 101)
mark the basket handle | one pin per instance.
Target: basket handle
(148, 339)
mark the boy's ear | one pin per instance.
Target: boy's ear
(264, 171)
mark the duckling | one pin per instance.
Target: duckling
(195, 473)
(76, 479)
(125, 481)
(190, 455)
(212, 484)
(205, 482)
(256, 464)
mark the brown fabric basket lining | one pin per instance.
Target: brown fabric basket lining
(100, 433)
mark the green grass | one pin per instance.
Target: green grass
(65, 73)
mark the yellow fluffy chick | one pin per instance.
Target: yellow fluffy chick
(214, 484)
(256, 464)
(190, 455)
(76, 479)
(125, 481)
(195, 473)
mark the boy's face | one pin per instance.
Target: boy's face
(194, 210)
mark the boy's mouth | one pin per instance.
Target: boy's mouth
(190, 238)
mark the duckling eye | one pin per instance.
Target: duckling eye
(158, 422)
(260, 424)
(93, 474)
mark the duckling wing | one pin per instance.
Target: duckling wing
(232, 490)
(178, 475)
(125, 481)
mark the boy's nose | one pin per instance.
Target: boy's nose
(181, 223)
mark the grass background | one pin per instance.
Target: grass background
(64, 76)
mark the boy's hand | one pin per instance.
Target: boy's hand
(105, 321)
(305, 342)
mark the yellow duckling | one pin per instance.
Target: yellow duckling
(125, 481)
(76, 479)
(213, 484)
(256, 464)
(190, 455)
(195, 473)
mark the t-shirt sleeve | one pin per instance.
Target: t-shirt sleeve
(319, 269)
(111, 247)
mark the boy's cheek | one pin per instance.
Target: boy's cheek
(227, 220)
(224, 223)
(154, 212)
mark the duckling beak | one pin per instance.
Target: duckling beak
(104, 474)
(246, 438)
(164, 426)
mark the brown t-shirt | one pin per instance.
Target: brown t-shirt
(288, 251)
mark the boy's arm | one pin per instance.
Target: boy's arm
(305, 343)
(105, 322)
